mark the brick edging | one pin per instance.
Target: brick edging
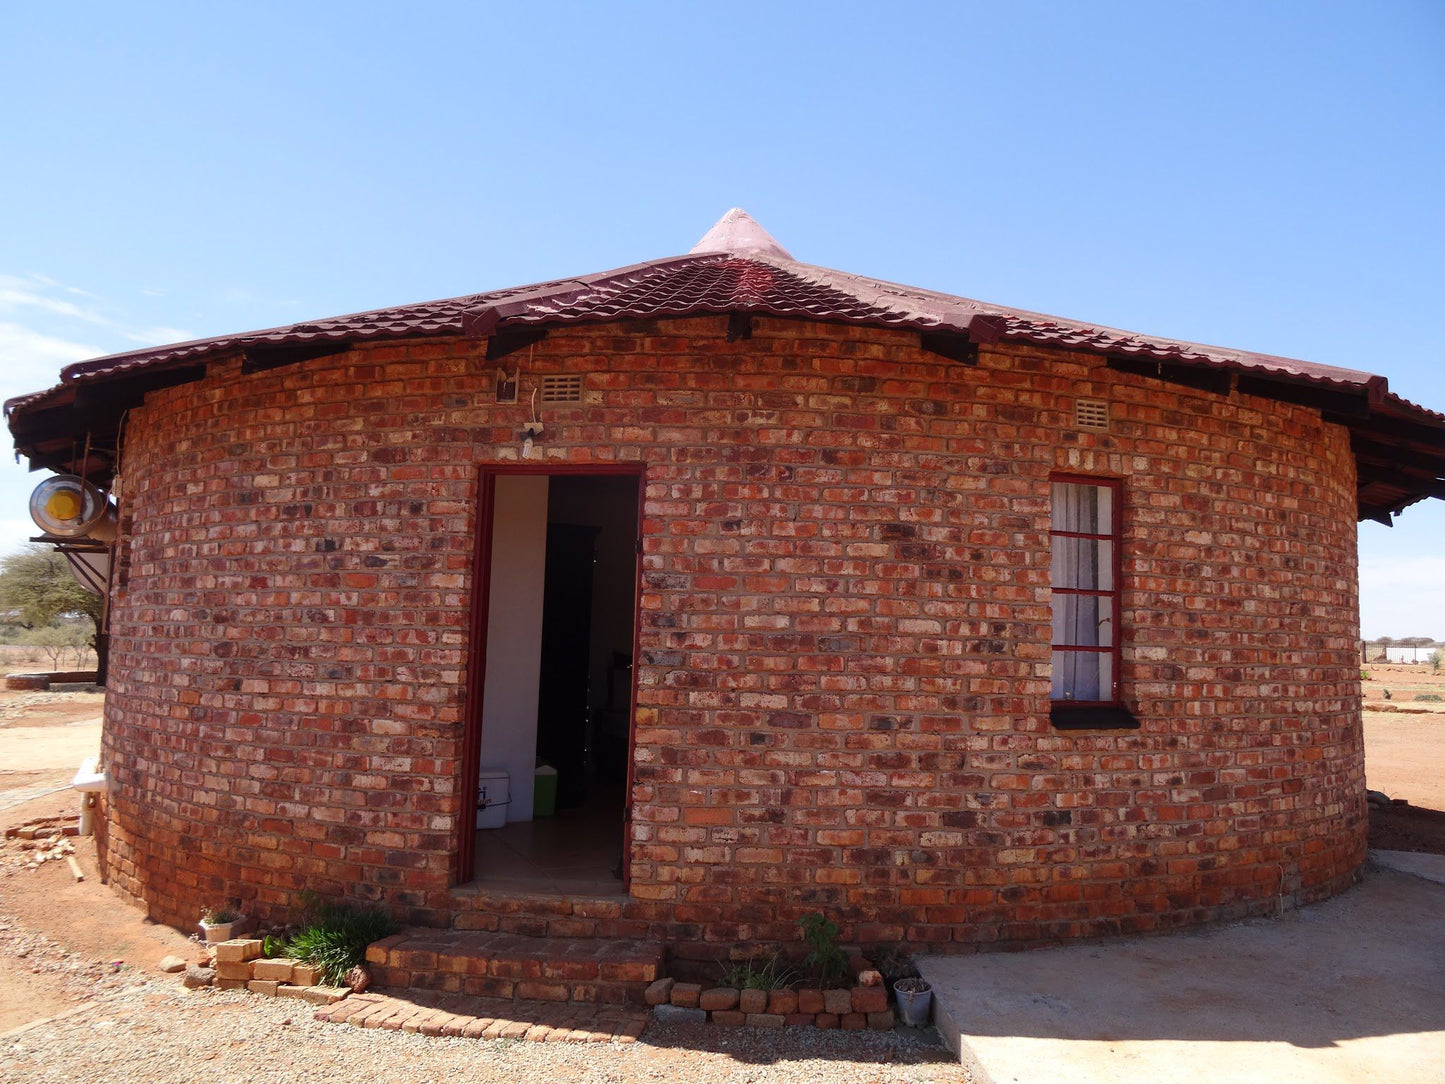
(853, 1008)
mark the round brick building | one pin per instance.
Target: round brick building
(808, 592)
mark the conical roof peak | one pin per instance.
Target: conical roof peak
(739, 233)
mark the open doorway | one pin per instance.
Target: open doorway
(556, 702)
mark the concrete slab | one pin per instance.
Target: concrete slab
(1346, 991)
(1429, 866)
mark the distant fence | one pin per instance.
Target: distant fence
(1373, 652)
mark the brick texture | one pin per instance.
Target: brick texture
(843, 676)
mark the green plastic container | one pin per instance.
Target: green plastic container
(544, 791)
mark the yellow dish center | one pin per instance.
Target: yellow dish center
(64, 504)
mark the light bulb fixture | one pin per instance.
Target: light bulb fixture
(531, 433)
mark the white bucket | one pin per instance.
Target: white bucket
(492, 798)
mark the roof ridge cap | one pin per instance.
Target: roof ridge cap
(741, 234)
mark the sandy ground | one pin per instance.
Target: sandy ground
(57, 936)
(1404, 734)
(43, 739)
(1407, 684)
(1405, 757)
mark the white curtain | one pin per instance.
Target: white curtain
(1085, 564)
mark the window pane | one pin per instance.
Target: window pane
(1085, 592)
(1081, 675)
(1083, 620)
(1083, 562)
(1086, 509)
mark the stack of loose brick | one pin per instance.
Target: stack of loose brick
(240, 966)
(851, 1009)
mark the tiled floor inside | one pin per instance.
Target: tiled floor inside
(575, 852)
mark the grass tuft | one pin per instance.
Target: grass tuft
(334, 936)
(769, 974)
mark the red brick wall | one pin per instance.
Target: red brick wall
(843, 682)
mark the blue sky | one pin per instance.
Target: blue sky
(1262, 176)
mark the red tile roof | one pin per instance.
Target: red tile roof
(754, 274)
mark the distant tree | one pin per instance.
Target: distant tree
(56, 640)
(36, 584)
(1437, 660)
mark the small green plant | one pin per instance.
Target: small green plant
(826, 959)
(219, 916)
(1364, 675)
(1429, 696)
(771, 974)
(334, 936)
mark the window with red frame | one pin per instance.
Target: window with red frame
(1084, 540)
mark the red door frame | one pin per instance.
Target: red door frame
(465, 865)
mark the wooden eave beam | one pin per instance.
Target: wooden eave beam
(510, 340)
(1395, 430)
(1349, 405)
(261, 357)
(950, 345)
(27, 428)
(1217, 381)
(1379, 453)
(54, 437)
(114, 396)
(1401, 477)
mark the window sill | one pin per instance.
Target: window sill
(1066, 716)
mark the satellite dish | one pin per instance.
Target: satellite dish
(70, 507)
(91, 570)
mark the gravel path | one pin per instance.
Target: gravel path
(19, 705)
(125, 1025)
(119, 1024)
(69, 974)
(153, 1031)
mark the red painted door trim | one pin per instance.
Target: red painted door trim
(464, 865)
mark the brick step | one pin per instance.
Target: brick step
(513, 966)
(430, 1013)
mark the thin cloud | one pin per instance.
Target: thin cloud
(31, 360)
(46, 280)
(159, 336)
(22, 346)
(14, 295)
(34, 299)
